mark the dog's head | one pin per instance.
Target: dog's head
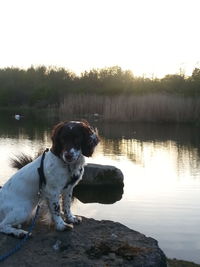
(73, 138)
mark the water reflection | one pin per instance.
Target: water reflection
(181, 134)
(132, 141)
(98, 194)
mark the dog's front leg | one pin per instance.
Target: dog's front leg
(67, 198)
(54, 206)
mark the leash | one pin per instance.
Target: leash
(30, 229)
(41, 171)
(21, 242)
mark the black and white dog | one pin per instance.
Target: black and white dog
(63, 168)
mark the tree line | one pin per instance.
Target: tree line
(48, 86)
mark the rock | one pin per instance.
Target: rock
(57, 245)
(91, 243)
(96, 174)
(101, 184)
(181, 263)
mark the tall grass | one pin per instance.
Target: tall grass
(146, 108)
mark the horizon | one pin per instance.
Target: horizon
(143, 75)
(151, 38)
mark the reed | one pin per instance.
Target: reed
(145, 108)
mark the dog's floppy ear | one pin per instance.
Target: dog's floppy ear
(90, 139)
(56, 146)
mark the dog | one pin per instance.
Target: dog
(61, 168)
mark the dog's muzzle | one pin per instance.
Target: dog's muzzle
(71, 156)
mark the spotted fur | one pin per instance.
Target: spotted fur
(63, 169)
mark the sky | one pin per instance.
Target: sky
(148, 37)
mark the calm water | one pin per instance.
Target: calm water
(161, 166)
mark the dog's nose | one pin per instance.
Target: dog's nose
(68, 156)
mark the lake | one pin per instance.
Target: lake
(161, 167)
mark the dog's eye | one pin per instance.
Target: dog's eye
(77, 142)
(64, 138)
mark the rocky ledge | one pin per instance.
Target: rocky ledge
(91, 243)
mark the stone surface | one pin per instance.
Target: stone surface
(101, 183)
(92, 243)
(181, 263)
(97, 174)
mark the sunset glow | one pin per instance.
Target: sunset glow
(151, 38)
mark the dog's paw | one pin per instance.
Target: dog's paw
(74, 219)
(19, 226)
(20, 234)
(64, 226)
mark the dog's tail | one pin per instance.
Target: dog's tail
(20, 161)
